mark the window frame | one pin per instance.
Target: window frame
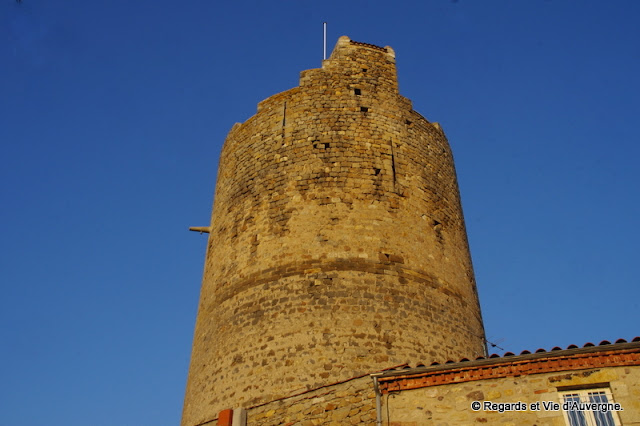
(584, 396)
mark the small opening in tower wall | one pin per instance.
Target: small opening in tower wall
(321, 145)
(408, 122)
(376, 171)
(364, 109)
(364, 70)
(357, 92)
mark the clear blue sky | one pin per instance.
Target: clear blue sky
(113, 113)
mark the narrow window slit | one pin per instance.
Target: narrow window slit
(364, 109)
(357, 92)
(393, 165)
(284, 115)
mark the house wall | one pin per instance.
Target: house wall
(348, 403)
(451, 404)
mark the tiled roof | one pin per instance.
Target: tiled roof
(448, 363)
(605, 354)
(372, 46)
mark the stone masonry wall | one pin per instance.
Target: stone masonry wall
(449, 405)
(337, 242)
(349, 403)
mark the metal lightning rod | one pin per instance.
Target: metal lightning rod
(324, 39)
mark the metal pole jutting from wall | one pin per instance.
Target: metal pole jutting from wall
(376, 389)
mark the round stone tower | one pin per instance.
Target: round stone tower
(337, 245)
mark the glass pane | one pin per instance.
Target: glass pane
(576, 418)
(602, 418)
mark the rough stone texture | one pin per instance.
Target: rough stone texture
(451, 404)
(348, 403)
(337, 242)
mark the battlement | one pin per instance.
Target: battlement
(351, 66)
(345, 42)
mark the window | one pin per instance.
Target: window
(589, 407)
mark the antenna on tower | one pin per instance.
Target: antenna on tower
(324, 40)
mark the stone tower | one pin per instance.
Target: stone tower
(337, 245)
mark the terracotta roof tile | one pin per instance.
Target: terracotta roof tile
(557, 359)
(372, 46)
(511, 354)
